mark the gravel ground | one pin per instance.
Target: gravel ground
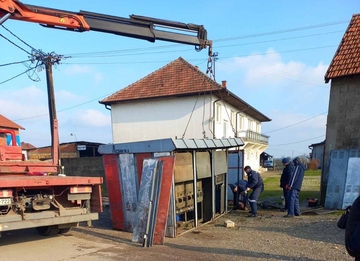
(267, 237)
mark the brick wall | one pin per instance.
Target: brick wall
(343, 121)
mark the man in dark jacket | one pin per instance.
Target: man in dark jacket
(284, 180)
(255, 182)
(352, 231)
(239, 188)
(294, 186)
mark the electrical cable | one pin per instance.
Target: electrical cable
(18, 75)
(296, 142)
(295, 123)
(28, 45)
(7, 64)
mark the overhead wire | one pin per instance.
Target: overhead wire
(13, 63)
(28, 45)
(288, 126)
(296, 142)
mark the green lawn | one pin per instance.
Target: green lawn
(310, 187)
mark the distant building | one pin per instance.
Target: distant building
(317, 152)
(77, 149)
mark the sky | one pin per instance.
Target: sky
(273, 55)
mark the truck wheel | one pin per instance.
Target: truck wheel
(48, 230)
(64, 230)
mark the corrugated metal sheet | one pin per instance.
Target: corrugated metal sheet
(203, 166)
(220, 162)
(343, 180)
(168, 145)
(183, 167)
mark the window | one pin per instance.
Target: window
(225, 128)
(250, 125)
(233, 118)
(258, 127)
(241, 122)
(218, 113)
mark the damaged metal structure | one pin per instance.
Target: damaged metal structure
(166, 187)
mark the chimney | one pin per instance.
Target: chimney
(223, 83)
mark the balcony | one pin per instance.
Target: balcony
(251, 136)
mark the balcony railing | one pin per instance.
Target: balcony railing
(251, 136)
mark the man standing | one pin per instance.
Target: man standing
(237, 189)
(352, 231)
(284, 180)
(294, 186)
(255, 182)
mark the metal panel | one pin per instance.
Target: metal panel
(200, 144)
(190, 143)
(203, 168)
(114, 191)
(140, 222)
(164, 199)
(169, 145)
(352, 185)
(129, 188)
(183, 167)
(235, 170)
(336, 179)
(220, 162)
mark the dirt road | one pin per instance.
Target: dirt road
(270, 237)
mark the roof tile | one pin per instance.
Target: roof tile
(6, 123)
(344, 62)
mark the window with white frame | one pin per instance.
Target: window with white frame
(225, 128)
(218, 112)
(250, 124)
(258, 127)
(241, 122)
(233, 118)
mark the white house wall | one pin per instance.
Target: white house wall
(165, 118)
(168, 118)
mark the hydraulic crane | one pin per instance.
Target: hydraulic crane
(51, 203)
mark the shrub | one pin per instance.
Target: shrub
(313, 164)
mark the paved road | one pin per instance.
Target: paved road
(27, 245)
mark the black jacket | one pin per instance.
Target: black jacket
(254, 179)
(286, 174)
(297, 176)
(354, 218)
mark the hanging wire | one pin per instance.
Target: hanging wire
(28, 45)
(192, 111)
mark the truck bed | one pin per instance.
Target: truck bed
(8, 181)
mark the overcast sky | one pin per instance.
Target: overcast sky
(273, 54)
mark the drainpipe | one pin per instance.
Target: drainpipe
(214, 117)
(107, 107)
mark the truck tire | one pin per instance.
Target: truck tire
(48, 230)
(64, 230)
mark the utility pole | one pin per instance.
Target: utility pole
(214, 56)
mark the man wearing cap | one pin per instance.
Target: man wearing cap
(285, 179)
(255, 182)
(239, 188)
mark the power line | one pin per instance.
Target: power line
(283, 31)
(28, 45)
(15, 44)
(18, 75)
(296, 141)
(7, 64)
(295, 123)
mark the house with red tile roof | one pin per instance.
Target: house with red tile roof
(343, 121)
(6, 127)
(180, 101)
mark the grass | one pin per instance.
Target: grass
(310, 187)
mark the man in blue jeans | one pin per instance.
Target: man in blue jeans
(294, 187)
(255, 182)
(352, 231)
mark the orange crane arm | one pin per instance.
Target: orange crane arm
(140, 27)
